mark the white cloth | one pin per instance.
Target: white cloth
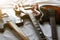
(27, 27)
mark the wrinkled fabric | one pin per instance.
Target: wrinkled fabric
(27, 28)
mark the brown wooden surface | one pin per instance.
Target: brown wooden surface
(55, 8)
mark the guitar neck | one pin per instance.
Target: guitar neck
(37, 27)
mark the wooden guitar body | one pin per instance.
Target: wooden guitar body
(46, 13)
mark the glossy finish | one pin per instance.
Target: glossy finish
(56, 8)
